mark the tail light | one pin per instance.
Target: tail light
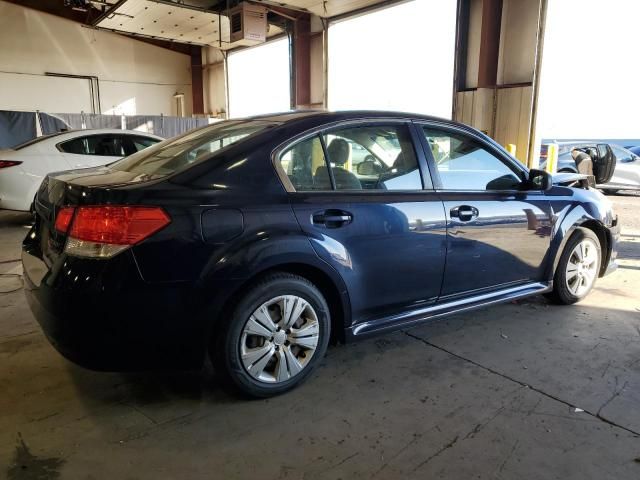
(104, 231)
(9, 163)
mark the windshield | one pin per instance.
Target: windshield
(176, 154)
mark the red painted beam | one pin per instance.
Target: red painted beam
(197, 88)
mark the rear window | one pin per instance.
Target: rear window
(36, 140)
(173, 155)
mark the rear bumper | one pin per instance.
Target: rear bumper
(103, 316)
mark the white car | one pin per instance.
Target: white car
(23, 168)
(626, 176)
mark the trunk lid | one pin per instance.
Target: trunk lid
(99, 185)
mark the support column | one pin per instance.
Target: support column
(197, 90)
(489, 43)
(301, 62)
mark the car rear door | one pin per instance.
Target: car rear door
(497, 234)
(386, 237)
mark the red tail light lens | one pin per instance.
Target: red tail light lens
(117, 225)
(63, 219)
(9, 163)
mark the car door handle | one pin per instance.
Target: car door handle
(331, 218)
(464, 213)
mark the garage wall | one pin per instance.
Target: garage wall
(134, 77)
(215, 95)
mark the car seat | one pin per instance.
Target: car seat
(338, 151)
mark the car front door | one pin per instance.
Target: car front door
(627, 171)
(386, 235)
(498, 235)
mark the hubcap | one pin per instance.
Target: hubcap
(582, 267)
(279, 339)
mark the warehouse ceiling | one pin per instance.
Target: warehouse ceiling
(327, 8)
(177, 24)
(174, 22)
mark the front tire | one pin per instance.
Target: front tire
(578, 268)
(275, 337)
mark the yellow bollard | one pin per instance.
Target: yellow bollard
(511, 148)
(552, 158)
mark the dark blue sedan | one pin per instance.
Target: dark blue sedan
(256, 241)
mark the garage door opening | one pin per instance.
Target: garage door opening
(259, 79)
(396, 58)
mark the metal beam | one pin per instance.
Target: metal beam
(489, 43)
(197, 88)
(301, 61)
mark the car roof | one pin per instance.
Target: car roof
(328, 116)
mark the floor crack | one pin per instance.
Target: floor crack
(616, 393)
(442, 449)
(535, 389)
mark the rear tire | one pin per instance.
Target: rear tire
(276, 335)
(577, 269)
(610, 191)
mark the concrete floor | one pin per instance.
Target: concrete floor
(489, 394)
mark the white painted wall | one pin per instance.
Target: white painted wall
(135, 77)
(215, 101)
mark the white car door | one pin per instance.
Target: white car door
(627, 172)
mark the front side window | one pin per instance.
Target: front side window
(373, 158)
(622, 154)
(464, 164)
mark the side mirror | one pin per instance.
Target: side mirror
(367, 167)
(539, 180)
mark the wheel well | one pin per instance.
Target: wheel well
(597, 228)
(316, 276)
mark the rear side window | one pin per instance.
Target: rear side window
(166, 158)
(374, 157)
(305, 165)
(140, 143)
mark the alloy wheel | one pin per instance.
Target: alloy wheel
(279, 339)
(582, 267)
